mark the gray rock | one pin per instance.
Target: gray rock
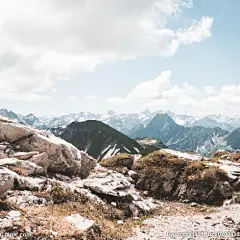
(14, 215)
(131, 210)
(236, 186)
(25, 167)
(63, 157)
(133, 174)
(234, 200)
(62, 177)
(6, 183)
(82, 224)
(41, 160)
(113, 185)
(29, 183)
(25, 155)
(25, 198)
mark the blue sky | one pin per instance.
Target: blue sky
(85, 55)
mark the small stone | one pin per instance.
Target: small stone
(131, 210)
(114, 204)
(28, 229)
(18, 147)
(82, 224)
(132, 174)
(228, 222)
(120, 222)
(145, 193)
(193, 204)
(54, 233)
(62, 177)
(14, 215)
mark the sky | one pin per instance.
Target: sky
(61, 56)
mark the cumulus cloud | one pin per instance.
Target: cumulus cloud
(210, 90)
(43, 42)
(151, 89)
(228, 96)
(162, 93)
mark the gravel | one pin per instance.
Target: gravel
(222, 224)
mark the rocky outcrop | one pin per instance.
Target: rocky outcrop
(43, 148)
(115, 187)
(6, 183)
(23, 167)
(167, 176)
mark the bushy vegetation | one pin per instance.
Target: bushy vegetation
(223, 155)
(197, 171)
(166, 176)
(120, 160)
(158, 160)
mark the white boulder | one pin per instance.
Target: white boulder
(81, 224)
(63, 157)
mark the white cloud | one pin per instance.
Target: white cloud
(197, 32)
(91, 97)
(27, 97)
(162, 93)
(72, 98)
(188, 101)
(151, 89)
(159, 92)
(229, 96)
(43, 42)
(210, 90)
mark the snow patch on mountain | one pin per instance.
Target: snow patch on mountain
(190, 156)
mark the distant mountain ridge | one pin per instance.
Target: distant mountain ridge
(98, 139)
(183, 132)
(233, 139)
(125, 122)
(195, 139)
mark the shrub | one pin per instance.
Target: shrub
(120, 160)
(161, 160)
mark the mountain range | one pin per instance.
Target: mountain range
(180, 132)
(125, 122)
(203, 140)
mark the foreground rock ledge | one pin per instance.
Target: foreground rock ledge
(62, 157)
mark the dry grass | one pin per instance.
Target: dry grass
(197, 171)
(158, 160)
(52, 218)
(118, 161)
(182, 209)
(235, 156)
(168, 177)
